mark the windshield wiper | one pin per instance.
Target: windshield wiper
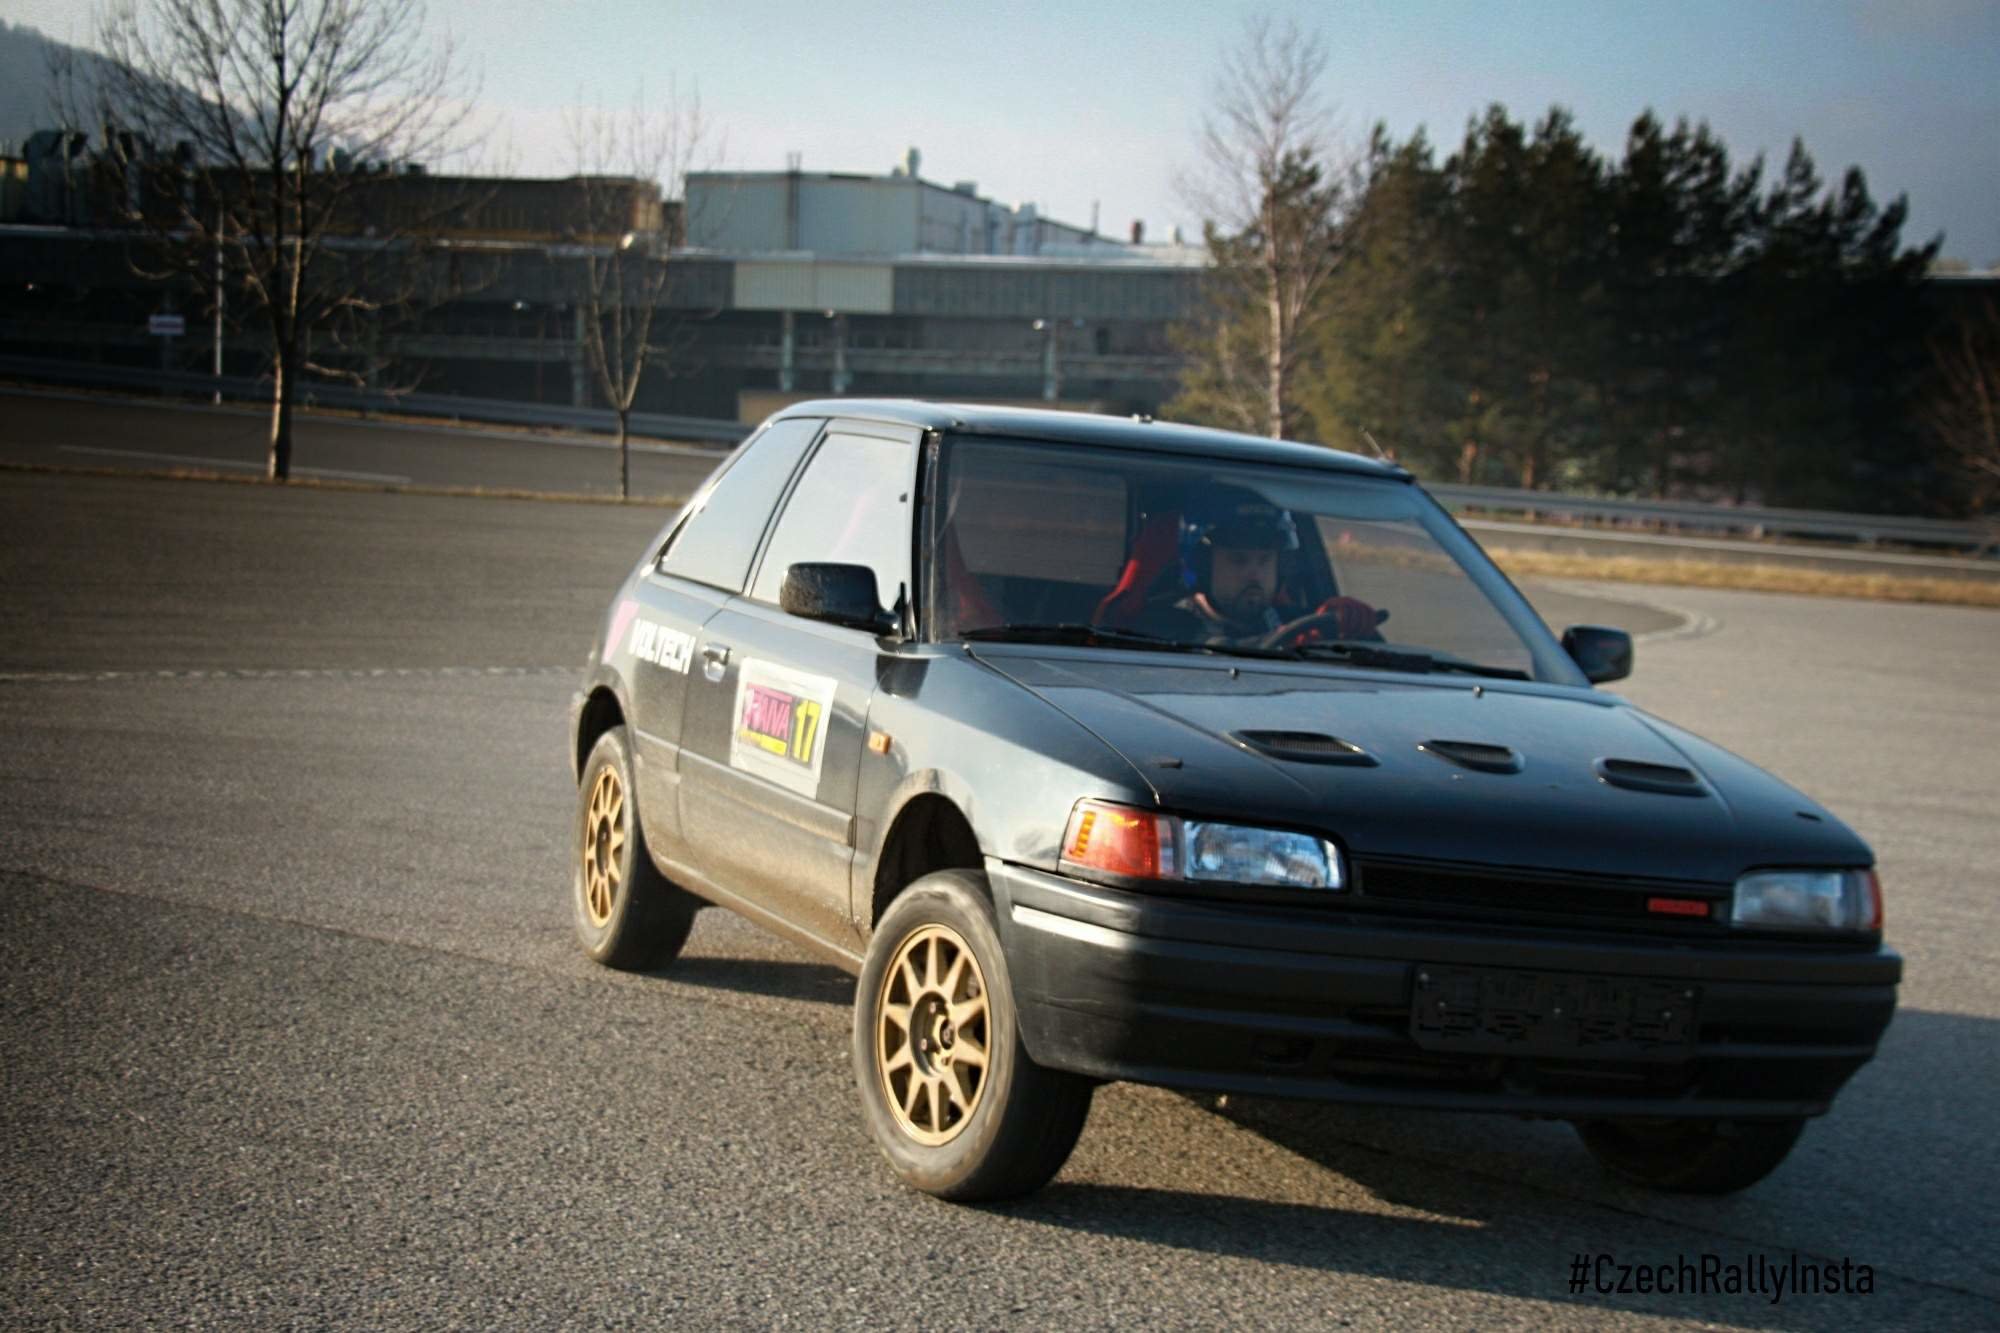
(1402, 659)
(1067, 631)
(1360, 654)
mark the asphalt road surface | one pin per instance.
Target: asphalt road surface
(59, 429)
(292, 1029)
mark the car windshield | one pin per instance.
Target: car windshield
(1057, 543)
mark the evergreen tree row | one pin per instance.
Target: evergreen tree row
(1525, 312)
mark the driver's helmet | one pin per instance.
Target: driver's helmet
(1232, 516)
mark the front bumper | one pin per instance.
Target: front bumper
(1313, 1003)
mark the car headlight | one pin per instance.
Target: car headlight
(1848, 900)
(1142, 844)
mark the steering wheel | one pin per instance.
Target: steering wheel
(1305, 624)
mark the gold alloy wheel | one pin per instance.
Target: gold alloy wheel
(931, 1034)
(603, 840)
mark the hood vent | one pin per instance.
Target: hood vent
(1306, 747)
(1476, 755)
(1666, 779)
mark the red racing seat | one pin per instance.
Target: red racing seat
(1155, 548)
(965, 598)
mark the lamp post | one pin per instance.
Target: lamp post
(787, 344)
(1051, 362)
(1051, 375)
(840, 378)
(219, 298)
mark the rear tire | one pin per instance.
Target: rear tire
(627, 914)
(948, 1090)
(1691, 1156)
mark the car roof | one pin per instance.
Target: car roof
(1093, 429)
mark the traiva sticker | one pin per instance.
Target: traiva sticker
(780, 724)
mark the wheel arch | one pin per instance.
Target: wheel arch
(930, 831)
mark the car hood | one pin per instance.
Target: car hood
(1574, 780)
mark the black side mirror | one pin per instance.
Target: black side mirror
(837, 594)
(1603, 653)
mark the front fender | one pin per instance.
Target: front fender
(1012, 764)
(872, 831)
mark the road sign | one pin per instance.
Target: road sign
(166, 326)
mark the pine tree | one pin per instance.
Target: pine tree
(1376, 381)
(1679, 226)
(1823, 372)
(1525, 224)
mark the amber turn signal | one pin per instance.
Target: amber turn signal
(1118, 840)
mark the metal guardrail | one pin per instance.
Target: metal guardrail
(498, 411)
(1748, 520)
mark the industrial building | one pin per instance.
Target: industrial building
(784, 285)
(834, 213)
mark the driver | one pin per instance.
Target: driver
(1235, 560)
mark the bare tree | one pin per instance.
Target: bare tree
(1270, 191)
(625, 162)
(1963, 410)
(224, 120)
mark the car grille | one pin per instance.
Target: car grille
(1535, 896)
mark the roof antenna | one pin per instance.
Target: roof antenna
(1380, 452)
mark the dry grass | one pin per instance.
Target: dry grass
(1753, 577)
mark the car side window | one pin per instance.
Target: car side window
(715, 543)
(852, 507)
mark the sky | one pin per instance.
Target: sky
(1076, 106)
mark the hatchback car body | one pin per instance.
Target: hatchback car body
(1103, 749)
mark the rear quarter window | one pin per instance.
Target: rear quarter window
(716, 542)
(851, 507)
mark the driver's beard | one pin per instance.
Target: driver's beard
(1247, 607)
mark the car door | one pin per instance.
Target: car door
(778, 705)
(704, 560)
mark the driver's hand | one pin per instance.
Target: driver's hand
(1357, 620)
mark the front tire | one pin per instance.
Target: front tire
(1691, 1156)
(948, 1090)
(627, 914)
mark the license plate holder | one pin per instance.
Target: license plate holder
(1508, 1011)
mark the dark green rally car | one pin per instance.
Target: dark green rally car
(1103, 749)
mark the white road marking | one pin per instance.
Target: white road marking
(282, 673)
(1694, 624)
(203, 460)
